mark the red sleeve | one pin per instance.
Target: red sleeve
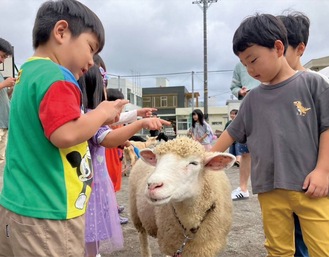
(61, 104)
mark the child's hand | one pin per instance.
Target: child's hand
(112, 109)
(316, 184)
(154, 123)
(146, 112)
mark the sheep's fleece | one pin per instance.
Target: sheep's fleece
(176, 189)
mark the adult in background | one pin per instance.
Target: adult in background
(241, 84)
(6, 88)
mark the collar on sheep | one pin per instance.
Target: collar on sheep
(192, 230)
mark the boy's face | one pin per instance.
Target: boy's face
(3, 56)
(261, 62)
(77, 53)
(232, 115)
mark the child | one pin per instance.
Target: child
(285, 161)
(48, 174)
(102, 221)
(6, 89)
(200, 129)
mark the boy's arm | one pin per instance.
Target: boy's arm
(223, 142)
(80, 130)
(316, 183)
(120, 135)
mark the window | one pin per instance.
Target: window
(147, 102)
(163, 101)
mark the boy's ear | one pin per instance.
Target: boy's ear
(301, 48)
(279, 46)
(61, 28)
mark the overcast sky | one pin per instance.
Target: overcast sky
(149, 37)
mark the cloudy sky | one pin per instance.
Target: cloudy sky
(146, 39)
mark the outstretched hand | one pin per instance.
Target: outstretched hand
(112, 109)
(146, 112)
(154, 123)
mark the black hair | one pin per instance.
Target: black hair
(298, 26)
(234, 111)
(6, 47)
(91, 84)
(114, 94)
(79, 17)
(262, 30)
(99, 61)
(200, 117)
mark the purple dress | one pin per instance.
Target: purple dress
(103, 226)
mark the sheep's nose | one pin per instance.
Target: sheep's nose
(152, 186)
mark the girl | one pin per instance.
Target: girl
(200, 129)
(103, 229)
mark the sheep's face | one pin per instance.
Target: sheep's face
(174, 178)
(179, 167)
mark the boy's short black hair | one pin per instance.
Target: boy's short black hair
(298, 26)
(114, 94)
(79, 17)
(262, 30)
(234, 111)
(6, 47)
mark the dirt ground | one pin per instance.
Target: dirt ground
(245, 239)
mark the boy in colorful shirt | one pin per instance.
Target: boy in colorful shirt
(48, 174)
(290, 171)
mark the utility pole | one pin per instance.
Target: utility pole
(204, 5)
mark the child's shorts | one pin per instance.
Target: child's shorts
(238, 149)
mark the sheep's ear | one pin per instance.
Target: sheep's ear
(219, 161)
(148, 156)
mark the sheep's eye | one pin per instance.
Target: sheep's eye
(194, 163)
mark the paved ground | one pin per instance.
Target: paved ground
(245, 239)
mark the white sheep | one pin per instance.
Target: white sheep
(182, 196)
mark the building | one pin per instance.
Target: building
(131, 92)
(317, 64)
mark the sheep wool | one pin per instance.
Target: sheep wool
(181, 195)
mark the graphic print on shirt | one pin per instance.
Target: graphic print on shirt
(301, 109)
(84, 172)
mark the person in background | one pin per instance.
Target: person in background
(235, 147)
(241, 84)
(200, 129)
(154, 133)
(48, 173)
(290, 171)
(6, 89)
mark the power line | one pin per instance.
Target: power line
(167, 74)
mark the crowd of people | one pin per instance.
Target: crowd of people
(60, 184)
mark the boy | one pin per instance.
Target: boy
(285, 161)
(6, 86)
(48, 175)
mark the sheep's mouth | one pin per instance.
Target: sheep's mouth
(159, 201)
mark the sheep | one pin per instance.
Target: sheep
(181, 195)
(129, 155)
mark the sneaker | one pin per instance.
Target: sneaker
(120, 208)
(123, 220)
(237, 194)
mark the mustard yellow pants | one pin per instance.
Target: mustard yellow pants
(277, 208)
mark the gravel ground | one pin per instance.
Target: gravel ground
(245, 238)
